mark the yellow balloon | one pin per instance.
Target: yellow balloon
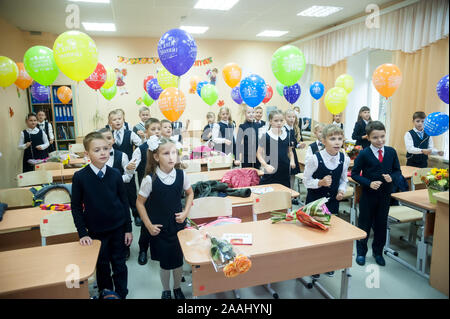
(336, 100)
(8, 71)
(346, 82)
(110, 78)
(166, 79)
(75, 54)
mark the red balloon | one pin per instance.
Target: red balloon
(97, 78)
(269, 94)
(148, 78)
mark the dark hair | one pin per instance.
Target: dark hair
(419, 115)
(150, 121)
(30, 115)
(374, 125)
(363, 109)
(90, 137)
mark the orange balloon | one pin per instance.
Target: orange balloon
(64, 94)
(194, 81)
(386, 79)
(232, 74)
(172, 103)
(24, 80)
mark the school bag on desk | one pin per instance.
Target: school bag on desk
(241, 178)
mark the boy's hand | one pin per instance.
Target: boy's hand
(326, 181)
(387, 178)
(86, 241)
(209, 135)
(269, 169)
(131, 165)
(180, 217)
(340, 195)
(426, 152)
(128, 239)
(236, 163)
(155, 229)
(141, 133)
(292, 164)
(302, 145)
(364, 137)
(441, 153)
(39, 147)
(27, 144)
(51, 141)
(375, 185)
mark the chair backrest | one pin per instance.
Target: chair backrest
(16, 197)
(58, 223)
(197, 177)
(76, 148)
(57, 196)
(49, 166)
(211, 207)
(418, 174)
(271, 201)
(34, 178)
(218, 162)
(193, 166)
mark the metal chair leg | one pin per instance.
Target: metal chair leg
(270, 289)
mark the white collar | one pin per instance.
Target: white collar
(96, 170)
(289, 127)
(120, 130)
(375, 149)
(334, 122)
(34, 130)
(42, 123)
(281, 136)
(163, 175)
(327, 156)
(225, 122)
(417, 131)
(365, 121)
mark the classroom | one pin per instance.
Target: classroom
(224, 149)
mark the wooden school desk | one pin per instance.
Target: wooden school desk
(439, 259)
(417, 200)
(79, 161)
(278, 253)
(65, 175)
(41, 272)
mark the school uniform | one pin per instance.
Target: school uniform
(313, 148)
(340, 125)
(276, 150)
(206, 130)
(100, 210)
(140, 127)
(125, 124)
(374, 204)
(247, 144)
(321, 165)
(415, 142)
(37, 137)
(48, 129)
(260, 123)
(224, 131)
(163, 202)
(358, 132)
(293, 143)
(177, 129)
(119, 161)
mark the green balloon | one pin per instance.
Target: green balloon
(139, 101)
(40, 65)
(288, 64)
(147, 99)
(280, 88)
(109, 93)
(209, 94)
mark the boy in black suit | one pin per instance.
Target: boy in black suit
(379, 165)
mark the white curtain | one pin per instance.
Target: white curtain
(407, 29)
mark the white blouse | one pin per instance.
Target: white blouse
(167, 179)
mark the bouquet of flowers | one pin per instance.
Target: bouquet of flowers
(352, 150)
(314, 214)
(436, 180)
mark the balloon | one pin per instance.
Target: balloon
(24, 80)
(316, 89)
(269, 94)
(153, 89)
(236, 95)
(199, 87)
(98, 78)
(209, 94)
(193, 82)
(148, 78)
(75, 54)
(280, 88)
(40, 64)
(253, 90)
(442, 89)
(110, 78)
(345, 81)
(109, 93)
(139, 101)
(64, 94)
(288, 64)
(292, 93)
(177, 51)
(166, 79)
(336, 100)
(41, 93)
(386, 79)
(147, 99)
(436, 123)
(232, 74)
(172, 103)
(8, 71)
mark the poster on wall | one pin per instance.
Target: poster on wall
(121, 74)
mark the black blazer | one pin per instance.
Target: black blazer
(358, 132)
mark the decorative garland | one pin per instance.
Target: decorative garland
(122, 59)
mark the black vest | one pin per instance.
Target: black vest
(126, 145)
(314, 147)
(117, 163)
(141, 167)
(418, 160)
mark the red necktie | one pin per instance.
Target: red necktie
(380, 156)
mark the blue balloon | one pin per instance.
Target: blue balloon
(316, 89)
(153, 89)
(199, 87)
(40, 93)
(253, 90)
(236, 95)
(436, 123)
(442, 89)
(177, 51)
(292, 93)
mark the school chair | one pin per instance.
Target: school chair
(193, 166)
(16, 197)
(49, 166)
(269, 202)
(219, 162)
(301, 156)
(34, 178)
(57, 223)
(76, 149)
(57, 196)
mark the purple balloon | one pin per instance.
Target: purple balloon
(153, 89)
(292, 93)
(442, 89)
(236, 95)
(177, 51)
(40, 93)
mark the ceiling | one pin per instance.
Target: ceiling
(152, 18)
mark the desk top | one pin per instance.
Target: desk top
(40, 267)
(15, 219)
(407, 172)
(268, 238)
(217, 175)
(78, 161)
(441, 197)
(418, 198)
(64, 173)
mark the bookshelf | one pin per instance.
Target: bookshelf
(60, 115)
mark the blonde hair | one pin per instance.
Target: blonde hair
(210, 114)
(296, 127)
(143, 109)
(90, 137)
(330, 130)
(273, 113)
(224, 108)
(123, 113)
(152, 164)
(150, 121)
(318, 126)
(115, 112)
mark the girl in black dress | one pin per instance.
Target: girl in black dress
(359, 131)
(295, 138)
(34, 142)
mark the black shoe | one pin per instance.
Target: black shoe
(138, 221)
(361, 260)
(330, 273)
(380, 260)
(166, 294)
(142, 259)
(128, 253)
(178, 294)
(316, 276)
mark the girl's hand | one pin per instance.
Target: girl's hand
(269, 169)
(227, 142)
(302, 145)
(141, 133)
(441, 153)
(292, 164)
(131, 166)
(237, 163)
(39, 147)
(86, 241)
(180, 217)
(128, 239)
(326, 181)
(340, 195)
(155, 229)
(27, 144)
(51, 141)
(375, 185)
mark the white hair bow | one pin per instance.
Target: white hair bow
(153, 143)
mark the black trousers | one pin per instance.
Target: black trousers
(144, 239)
(112, 255)
(373, 213)
(132, 196)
